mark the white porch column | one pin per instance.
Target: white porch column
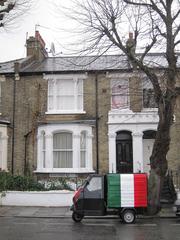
(112, 153)
(137, 152)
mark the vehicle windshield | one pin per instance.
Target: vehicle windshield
(84, 183)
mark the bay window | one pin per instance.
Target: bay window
(64, 148)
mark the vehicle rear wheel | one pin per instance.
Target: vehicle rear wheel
(128, 216)
(77, 217)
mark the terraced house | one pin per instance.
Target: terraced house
(72, 116)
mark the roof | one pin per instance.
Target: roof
(83, 63)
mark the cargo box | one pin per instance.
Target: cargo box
(126, 190)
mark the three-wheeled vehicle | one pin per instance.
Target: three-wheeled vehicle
(121, 194)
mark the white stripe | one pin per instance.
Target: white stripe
(127, 190)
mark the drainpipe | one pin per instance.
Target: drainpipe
(16, 77)
(97, 124)
(25, 152)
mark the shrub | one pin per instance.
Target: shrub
(27, 183)
(19, 183)
(60, 183)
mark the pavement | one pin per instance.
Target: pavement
(60, 212)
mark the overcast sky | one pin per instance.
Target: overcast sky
(13, 39)
(51, 23)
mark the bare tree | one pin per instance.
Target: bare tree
(155, 25)
(11, 9)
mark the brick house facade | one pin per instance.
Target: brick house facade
(75, 116)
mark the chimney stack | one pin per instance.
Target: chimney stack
(36, 47)
(130, 44)
(131, 49)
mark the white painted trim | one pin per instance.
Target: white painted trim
(4, 142)
(65, 76)
(65, 112)
(64, 170)
(136, 123)
(76, 130)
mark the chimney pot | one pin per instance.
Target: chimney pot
(130, 35)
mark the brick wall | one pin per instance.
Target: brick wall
(29, 108)
(31, 105)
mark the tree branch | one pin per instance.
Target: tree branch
(148, 48)
(137, 3)
(176, 15)
(163, 34)
(176, 32)
(176, 43)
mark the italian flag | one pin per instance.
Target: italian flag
(127, 190)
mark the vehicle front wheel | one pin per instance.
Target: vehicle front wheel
(128, 216)
(77, 217)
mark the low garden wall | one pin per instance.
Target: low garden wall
(37, 198)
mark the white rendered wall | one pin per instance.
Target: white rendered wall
(45, 199)
(136, 123)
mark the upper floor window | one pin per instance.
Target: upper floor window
(120, 94)
(65, 94)
(148, 94)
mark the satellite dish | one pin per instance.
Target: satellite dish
(52, 50)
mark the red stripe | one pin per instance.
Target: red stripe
(140, 190)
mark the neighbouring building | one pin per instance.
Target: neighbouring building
(72, 116)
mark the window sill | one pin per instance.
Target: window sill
(64, 112)
(64, 170)
(125, 110)
(149, 109)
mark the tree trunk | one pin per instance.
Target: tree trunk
(158, 159)
(154, 188)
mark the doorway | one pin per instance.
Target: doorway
(124, 156)
(148, 142)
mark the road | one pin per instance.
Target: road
(18, 228)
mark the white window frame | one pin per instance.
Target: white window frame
(43, 148)
(76, 130)
(76, 108)
(2, 79)
(83, 149)
(3, 147)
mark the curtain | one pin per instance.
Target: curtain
(120, 98)
(83, 143)
(62, 150)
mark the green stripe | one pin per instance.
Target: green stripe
(113, 194)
